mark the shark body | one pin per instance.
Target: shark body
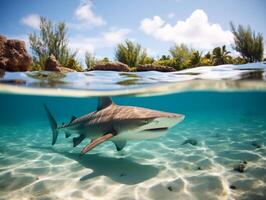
(115, 123)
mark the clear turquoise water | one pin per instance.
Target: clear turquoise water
(224, 124)
(225, 109)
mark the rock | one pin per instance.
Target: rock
(13, 55)
(170, 188)
(14, 82)
(2, 73)
(241, 166)
(52, 64)
(190, 141)
(153, 67)
(233, 187)
(112, 66)
(256, 144)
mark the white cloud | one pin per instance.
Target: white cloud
(196, 31)
(85, 15)
(32, 21)
(104, 40)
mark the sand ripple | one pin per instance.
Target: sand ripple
(157, 169)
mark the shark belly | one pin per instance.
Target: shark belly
(135, 136)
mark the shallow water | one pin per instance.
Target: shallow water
(229, 127)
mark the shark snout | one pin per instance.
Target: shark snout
(179, 118)
(172, 120)
(163, 123)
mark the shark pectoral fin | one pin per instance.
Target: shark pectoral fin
(120, 144)
(96, 142)
(78, 140)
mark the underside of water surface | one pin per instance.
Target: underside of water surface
(227, 130)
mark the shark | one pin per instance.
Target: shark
(111, 122)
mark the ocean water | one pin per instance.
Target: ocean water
(225, 115)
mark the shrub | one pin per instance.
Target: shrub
(51, 40)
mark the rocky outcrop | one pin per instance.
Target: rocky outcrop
(13, 55)
(2, 73)
(52, 64)
(112, 66)
(153, 67)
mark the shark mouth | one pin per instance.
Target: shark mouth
(157, 129)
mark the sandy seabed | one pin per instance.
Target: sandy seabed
(163, 168)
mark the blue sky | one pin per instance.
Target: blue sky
(98, 25)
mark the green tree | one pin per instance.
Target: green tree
(74, 64)
(208, 55)
(238, 60)
(181, 55)
(220, 56)
(90, 60)
(105, 60)
(130, 53)
(51, 39)
(196, 58)
(164, 57)
(248, 43)
(171, 62)
(147, 60)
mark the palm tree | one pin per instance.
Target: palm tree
(220, 56)
(196, 59)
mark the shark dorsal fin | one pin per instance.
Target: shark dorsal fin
(104, 102)
(73, 118)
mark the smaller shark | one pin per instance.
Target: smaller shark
(115, 123)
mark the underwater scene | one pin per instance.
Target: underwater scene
(216, 152)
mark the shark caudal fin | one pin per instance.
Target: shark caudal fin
(53, 124)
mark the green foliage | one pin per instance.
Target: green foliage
(220, 56)
(147, 60)
(196, 59)
(74, 64)
(50, 40)
(105, 60)
(171, 62)
(35, 67)
(90, 60)
(238, 61)
(248, 43)
(208, 55)
(206, 61)
(130, 53)
(164, 57)
(181, 56)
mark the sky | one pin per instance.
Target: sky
(97, 26)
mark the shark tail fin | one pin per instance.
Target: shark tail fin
(53, 124)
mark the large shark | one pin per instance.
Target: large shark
(115, 123)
